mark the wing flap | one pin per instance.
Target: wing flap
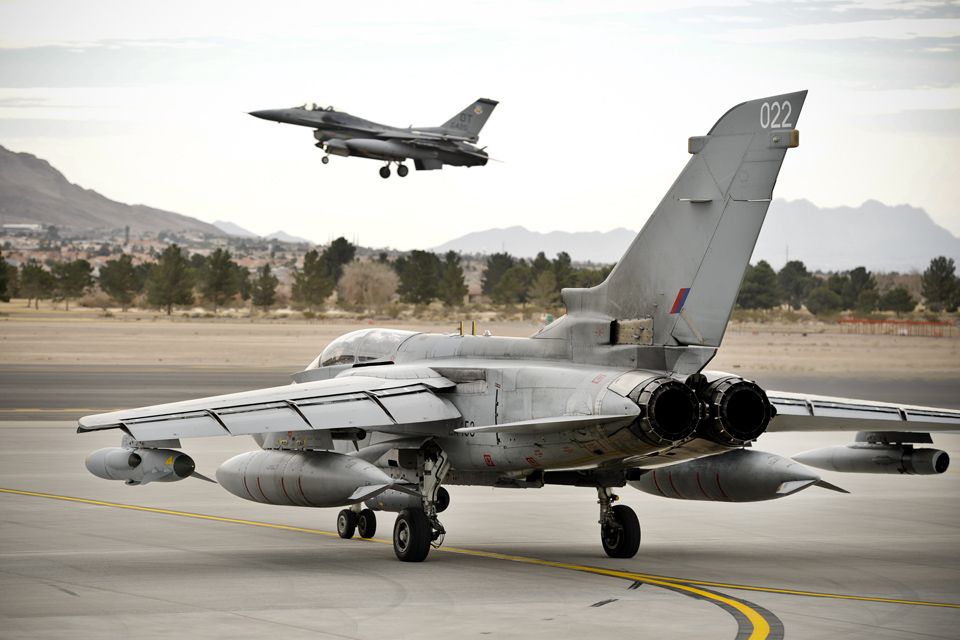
(802, 412)
(555, 424)
(353, 402)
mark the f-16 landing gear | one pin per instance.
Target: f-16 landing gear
(402, 170)
(385, 171)
(325, 159)
(619, 527)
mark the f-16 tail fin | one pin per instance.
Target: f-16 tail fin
(470, 121)
(683, 271)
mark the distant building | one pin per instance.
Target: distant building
(23, 228)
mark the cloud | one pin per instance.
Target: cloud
(895, 29)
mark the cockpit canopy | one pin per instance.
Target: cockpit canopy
(361, 346)
(313, 106)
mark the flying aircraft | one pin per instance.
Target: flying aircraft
(614, 393)
(341, 134)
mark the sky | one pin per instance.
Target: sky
(148, 102)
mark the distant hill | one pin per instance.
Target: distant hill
(32, 191)
(584, 246)
(283, 236)
(234, 229)
(877, 236)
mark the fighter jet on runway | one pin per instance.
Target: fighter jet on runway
(341, 134)
(616, 392)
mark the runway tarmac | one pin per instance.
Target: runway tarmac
(190, 559)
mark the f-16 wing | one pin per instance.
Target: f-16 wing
(404, 405)
(801, 412)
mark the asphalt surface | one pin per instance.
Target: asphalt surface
(83, 557)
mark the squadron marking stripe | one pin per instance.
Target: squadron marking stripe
(666, 580)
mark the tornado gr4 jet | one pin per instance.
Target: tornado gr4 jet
(341, 134)
(614, 393)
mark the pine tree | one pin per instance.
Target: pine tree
(170, 280)
(759, 289)
(218, 278)
(453, 288)
(939, 283)
(419, 277)
(119, 280)
(312, 284)
(497, 265)
(337, 255)
(35, 283)
(71, 279)
(263, 290)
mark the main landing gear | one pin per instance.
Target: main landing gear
(416, 530)
(619, 527)
(402, 170)
(363, 522)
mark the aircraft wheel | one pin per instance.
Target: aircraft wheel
(403, 170)
(384, 172)
(624, 541)
(325, 159)
(411, 536)
(346, 523)
(367, 523)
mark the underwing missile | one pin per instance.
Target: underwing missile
(140, 466)
(877, 458)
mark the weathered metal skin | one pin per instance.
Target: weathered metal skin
(741, 475)
(301, 478)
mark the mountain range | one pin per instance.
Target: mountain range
(878, 236)
(33, 192)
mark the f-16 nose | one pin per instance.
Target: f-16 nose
(268, 114)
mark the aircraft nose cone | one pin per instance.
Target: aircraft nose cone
(268, 114)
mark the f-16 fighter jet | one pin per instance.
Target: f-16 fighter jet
(616, 392)
(341, 134)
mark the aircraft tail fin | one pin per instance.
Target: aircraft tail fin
(683, 271)
(470, 121)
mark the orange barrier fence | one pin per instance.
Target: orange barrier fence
(896, 327)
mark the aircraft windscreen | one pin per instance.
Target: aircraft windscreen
(314, 107)
(361, 346)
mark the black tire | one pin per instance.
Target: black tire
(403, 170)
(324, 159)
(622, 541)
(346, 523)
(367, 523)
(411, 536)
(443, 500)
(384, 172)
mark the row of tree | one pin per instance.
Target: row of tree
(421, 277)
(763, 288)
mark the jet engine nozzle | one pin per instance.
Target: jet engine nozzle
(739, 411)
(140, 466)
(741, 475)
(877, 458)
(669, 411)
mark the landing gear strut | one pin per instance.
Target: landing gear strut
(416, 530)
(619, 527)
